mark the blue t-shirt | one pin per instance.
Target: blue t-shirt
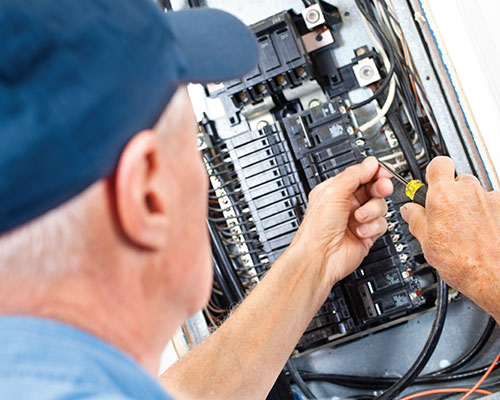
(43, 359)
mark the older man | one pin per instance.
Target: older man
(104, 251)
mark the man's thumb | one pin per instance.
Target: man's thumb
(415, 215)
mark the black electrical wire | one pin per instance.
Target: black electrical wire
(233, 242)
(400, 384)
(488, 383)
(231, 206)
(243, 216)
(470, 354)
(404, 143)
(225, 264)
(254, 251)
(290, 366)
(431, 343)
(431, 114)
(408, 98)
(229, 229)
(413, 111)
(382, 382)
(403, 83)
(228, 234)
(406, 69)
(232, 192)
(221, 280)
(215, 167)
(405, 96)
(378, 92)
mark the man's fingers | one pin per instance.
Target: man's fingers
(415, 215)
(374, 208)
(383, 173)
(440, 169)
(355, 176)
(380, 188)
(374, 228)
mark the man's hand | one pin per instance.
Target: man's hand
(344, 217)
(459, 231)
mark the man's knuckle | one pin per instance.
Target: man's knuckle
(351, 170)
(327, 192)
(439, 195)
(413, 225)
(382, 225)
(468, 177)
(476, 188)
(383, 206)
(315, 192)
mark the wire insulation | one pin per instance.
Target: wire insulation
(474, 388)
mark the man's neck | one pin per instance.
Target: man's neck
(124, 321)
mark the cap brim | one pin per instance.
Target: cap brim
(212, 45)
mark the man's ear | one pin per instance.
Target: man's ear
(140, 192)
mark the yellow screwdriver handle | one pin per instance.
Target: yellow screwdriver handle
(416, 190)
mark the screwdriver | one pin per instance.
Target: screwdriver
(416, 190)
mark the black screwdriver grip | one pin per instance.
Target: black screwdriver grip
(420, 195)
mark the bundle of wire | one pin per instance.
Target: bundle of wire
(403, 103)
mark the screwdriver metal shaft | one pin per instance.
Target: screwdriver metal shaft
(415, 189)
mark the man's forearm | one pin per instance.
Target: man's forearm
(243, 358)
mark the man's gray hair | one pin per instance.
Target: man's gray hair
(49, 246)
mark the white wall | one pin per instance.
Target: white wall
(468, 35)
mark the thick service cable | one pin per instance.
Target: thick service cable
(470, 354)
(429, 347)
(382, 382)
(294, 374)
(405, 145)
(398, 385)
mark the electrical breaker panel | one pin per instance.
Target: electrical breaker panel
(288, 126)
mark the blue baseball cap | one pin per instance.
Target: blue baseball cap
(79, 78)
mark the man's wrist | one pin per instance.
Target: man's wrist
(311, 265)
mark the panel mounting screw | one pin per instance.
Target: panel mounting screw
(313, 16)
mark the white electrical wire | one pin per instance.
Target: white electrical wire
(421, 154)
(392, 159)
(391, 156)
(392, 85)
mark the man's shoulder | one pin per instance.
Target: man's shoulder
(43, 359)
(37, 387)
